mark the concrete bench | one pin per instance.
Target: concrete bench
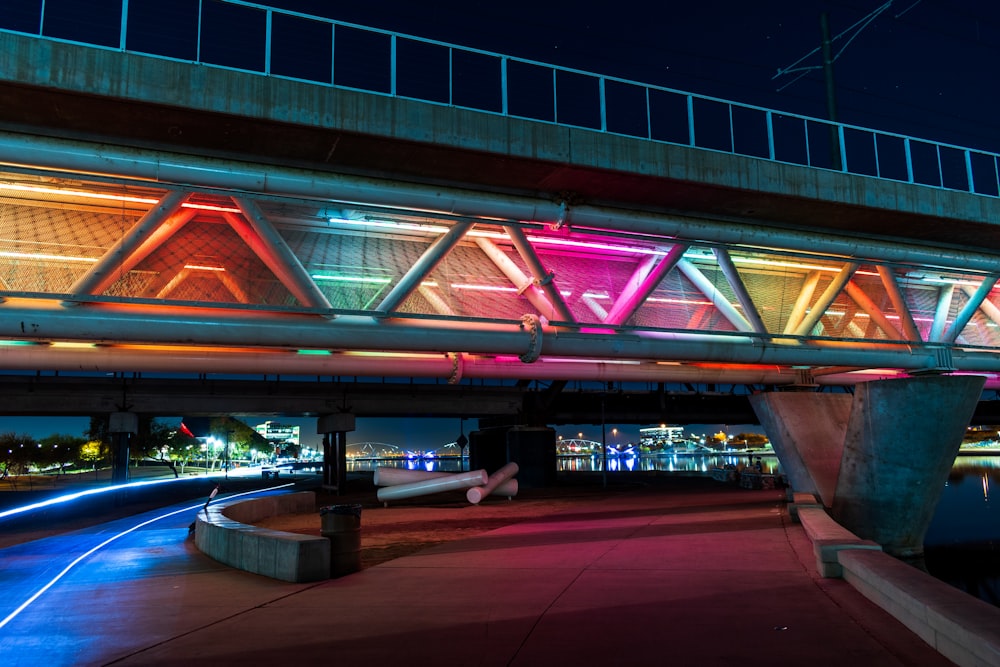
(799, 500)
(963, 628)
(222, 531)
(829, 538)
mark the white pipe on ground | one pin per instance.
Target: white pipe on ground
(462, 480)
(477, 493)
(396, 476)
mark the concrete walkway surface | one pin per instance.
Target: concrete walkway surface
(688, 572)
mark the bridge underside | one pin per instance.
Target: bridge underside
(505, 403)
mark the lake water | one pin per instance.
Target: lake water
(962, 543)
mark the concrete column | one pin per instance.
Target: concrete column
(121, 426)
(807, 431)
(335, 428)
(901, 442)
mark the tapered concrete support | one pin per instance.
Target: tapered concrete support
(902, 439)
(807, 432)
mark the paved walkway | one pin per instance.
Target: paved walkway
(683, 574)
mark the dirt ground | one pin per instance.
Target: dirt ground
(408, 526)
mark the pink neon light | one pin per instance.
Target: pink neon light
(483, 288)
(631, 250)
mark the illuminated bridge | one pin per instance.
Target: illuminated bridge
(170, 206)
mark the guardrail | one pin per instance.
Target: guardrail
(254, 37)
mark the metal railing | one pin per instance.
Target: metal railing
(253, 37)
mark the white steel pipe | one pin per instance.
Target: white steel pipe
(110, 359)
(477, 493)
(386, 476)
(32, 319)
(457, 481)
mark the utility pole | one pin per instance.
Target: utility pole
(828, 57)
(831, 91)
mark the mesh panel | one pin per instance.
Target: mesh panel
(678, 304)
(70, 241)
(204, 262)
(471, 285)
(774, 294)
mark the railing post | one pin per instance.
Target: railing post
(909, 160)
(842, 153)
(968, 171)
(604, 104)
(690, 114)
(805, 132)
(732, 131)
(451, 76)
(392, 65)
(201, 14)
(123, 33)
(268, 16)
(769, 117)
(555, 97)
(937, 149)
(878, 168)
(333, 53)
(503, 85)
(649, 117)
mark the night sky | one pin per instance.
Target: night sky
(925, 68)
(920, 67)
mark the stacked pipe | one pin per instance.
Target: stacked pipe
(398, 483)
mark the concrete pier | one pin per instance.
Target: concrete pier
(807, 432)
(901, 441)
(878, 459)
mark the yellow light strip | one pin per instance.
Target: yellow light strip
(393, 355)
(76, 193)
(110, 197)
(38, 255)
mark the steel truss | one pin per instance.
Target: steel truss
(121, 260)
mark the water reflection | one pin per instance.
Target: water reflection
(966, 514)
(962, 545)
(442, 464)
(680, 463)
(699, 464)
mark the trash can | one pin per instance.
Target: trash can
(341, 524)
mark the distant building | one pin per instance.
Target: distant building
(282, 436)
(661, 437)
